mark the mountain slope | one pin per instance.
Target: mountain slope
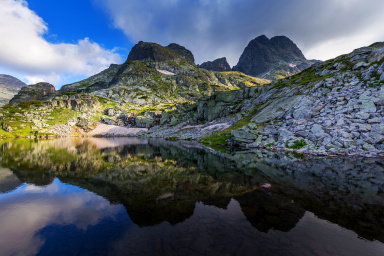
(273, 58)
(332, 108)
(153, 73)
(9, 86)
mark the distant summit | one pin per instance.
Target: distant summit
(9, 87)
(216, 65)
(273, 58)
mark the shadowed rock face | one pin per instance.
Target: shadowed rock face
(39, 91)
(216, 65)
(9, 87)
(183, 52)
(263, 55)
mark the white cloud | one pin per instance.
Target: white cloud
(23, 49)
(217, 28)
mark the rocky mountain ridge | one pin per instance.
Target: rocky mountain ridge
(157, 74)
(272, 59)
(9, 86)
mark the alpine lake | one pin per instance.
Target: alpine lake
(131, 196)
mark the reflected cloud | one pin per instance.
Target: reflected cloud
(24, 213)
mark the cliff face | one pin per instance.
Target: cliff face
(217, 65)
(9, 87)
(273, 58)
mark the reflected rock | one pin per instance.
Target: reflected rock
(40, 179)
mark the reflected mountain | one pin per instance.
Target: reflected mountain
(266, 211)
(161, 181)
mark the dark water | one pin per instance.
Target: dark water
(138, 197)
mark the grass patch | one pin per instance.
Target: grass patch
(221, 138)
(61, 116)
(297, 145)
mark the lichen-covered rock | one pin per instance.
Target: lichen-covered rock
(39, 91)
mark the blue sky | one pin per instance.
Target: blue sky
(64, 41)
(69, 20)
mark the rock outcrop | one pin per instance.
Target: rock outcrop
(216, 65)
(40, 91)
(9, 87)
(273, 58)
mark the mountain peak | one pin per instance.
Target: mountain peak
(263, 55)
(145, 51)
(262, 39)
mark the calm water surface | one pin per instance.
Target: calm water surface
(151, 197)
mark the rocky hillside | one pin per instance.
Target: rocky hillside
(217, 65)
(273, 58)
(333, 107)
(40, 91)
(154, 74)
(9, 87)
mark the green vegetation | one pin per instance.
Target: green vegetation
(61, 115)
(221, 138)
(297, 145)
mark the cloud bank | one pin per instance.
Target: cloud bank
(24, 50)
(217, 28)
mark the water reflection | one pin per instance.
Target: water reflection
(31, 209)
(171, 198)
